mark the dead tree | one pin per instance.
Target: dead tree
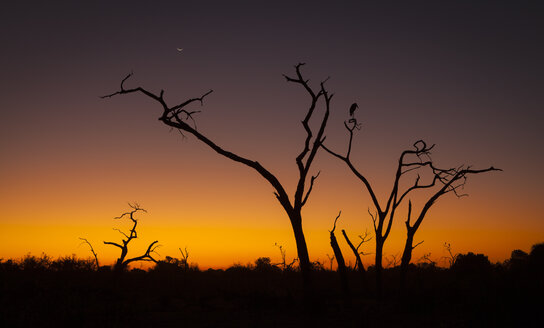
(342, 270)
(331, 260)
(181, 118)
(122, 262)
(283, 264)
(358, 262)
(451, 181)
(451, 258)
(392, 260)
(426, 259)
(184, 258)
(85, 241)
(384, 215)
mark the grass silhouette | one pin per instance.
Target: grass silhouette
(41, 291)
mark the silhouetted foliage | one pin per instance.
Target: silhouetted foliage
(264, 264)
(172, 264)
(44, 263)
(71, 263)
(536, 257)
(519, 260)
(32, 263)
(472, 264)
(42, 291)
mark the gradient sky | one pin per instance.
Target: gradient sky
(467, 75)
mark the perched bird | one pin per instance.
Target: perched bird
(352, 109)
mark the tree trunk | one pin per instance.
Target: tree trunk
(119, 265)
(358, 260)
(378, 266)
(406, 258)
(342, 271)
(302, 249)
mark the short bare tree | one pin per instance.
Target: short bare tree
(331, 260)
(283, 264)
(184, 258)
(451, 258)
(426, 259)
(122, 262)
(355, 249)
(342, 269)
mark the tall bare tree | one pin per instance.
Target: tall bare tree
(122, 262)
(181, 118)
(450, 180)
(384, 213)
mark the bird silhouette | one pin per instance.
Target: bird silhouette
(352, 109)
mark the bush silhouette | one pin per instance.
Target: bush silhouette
(264, 264)
(71, 263)
(472, 264)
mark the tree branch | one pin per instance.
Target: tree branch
(310, 188)
(147, 255)
(308, 151)
(124, 234)
(176, 122)
(416, 245)
(85, 241)
(112, 243)
(334, 226)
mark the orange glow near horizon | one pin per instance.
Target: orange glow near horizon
(217, 247)
(217, 234)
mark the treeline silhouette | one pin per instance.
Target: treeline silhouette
(42, 291)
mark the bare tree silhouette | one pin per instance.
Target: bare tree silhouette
(409, 160)
(392, 260)
(85, 241)
(452, 180)
(383, 216)
(342, 270)
(358, 262)
(122, 262)
(331, 260)
(179, 117)
(450, 257)
(283, 264)
(184, 258)
(426, 259)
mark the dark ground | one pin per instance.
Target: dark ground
(71, 293)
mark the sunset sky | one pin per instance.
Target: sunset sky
(467, 76)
